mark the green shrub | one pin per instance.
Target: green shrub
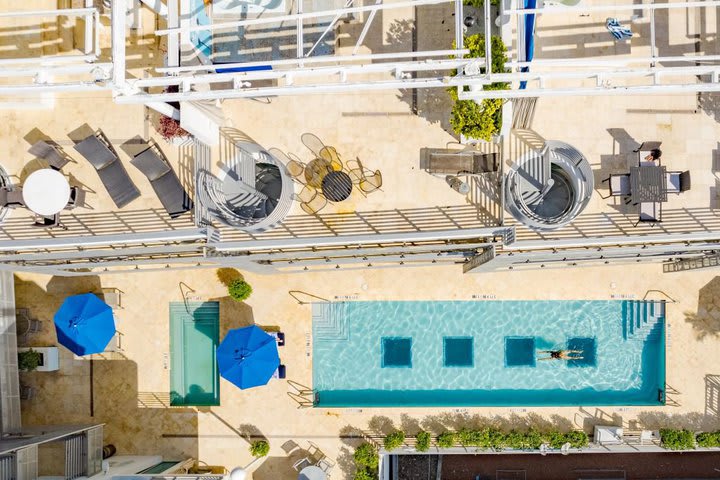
(422, 441)
(708, 439)
(674, 439)
(29, 360)
(394, 440)
(446, 440)
(363, 474)
(480, 119)
(259, 448)
(480, 3)
(366, 456)
(577, 438)
(239, 290)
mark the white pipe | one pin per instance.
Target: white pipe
(157, 6)
(297, 17)
(605, 8)
(47, 61)
(89, 34)
(366, 27)
(576, 62)
(321, 59)
(55, 70)
(448, 64)
(592, 91)
(53, 87)
(118, 13)
(49, 13)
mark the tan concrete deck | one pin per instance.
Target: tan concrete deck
(130, 394)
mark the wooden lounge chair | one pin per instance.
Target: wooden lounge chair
(97, 150)
(153, 164)
(50, 153)
(454, 162)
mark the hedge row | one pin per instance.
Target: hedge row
(675, 439)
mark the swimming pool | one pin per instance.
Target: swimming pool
(485, 353)
(194, 332)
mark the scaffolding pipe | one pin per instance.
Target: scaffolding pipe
(605, 8)
(296, 17)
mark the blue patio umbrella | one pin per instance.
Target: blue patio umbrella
(248, 357)
(84, 324)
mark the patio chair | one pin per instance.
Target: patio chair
(325, 464)
(97, 150)
(294, 167)
(371, 183)
(650, 212)
(52, 221)
(619, 185)
(11, 198)
(77, 198)
(300, 464)
(677, 182)
(289, 447)
(313, 143)
(648, 148)
(153, 164)
(445, 161)
(50, 153)
(331, 155)
(282, 371)
(314, 453)
(311, 201)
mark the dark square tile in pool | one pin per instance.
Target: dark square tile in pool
(588, 348)
(397, 352)
(458, 352)
(519, 351)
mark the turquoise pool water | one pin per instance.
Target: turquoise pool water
(194, 332)
(486, 353)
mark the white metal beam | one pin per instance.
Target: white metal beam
(297, 16)
(628, 7)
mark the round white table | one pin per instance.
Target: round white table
(312, 473)
(46, 191)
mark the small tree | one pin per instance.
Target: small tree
(239, 290)
(259, 448)
(446, 440)
(29, 360)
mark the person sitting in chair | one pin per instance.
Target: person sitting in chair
(654, 155)
(562, 354)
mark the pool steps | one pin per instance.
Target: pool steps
(642, 320)
(329, 323)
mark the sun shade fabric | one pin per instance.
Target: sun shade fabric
(84, 324)
(248, 357)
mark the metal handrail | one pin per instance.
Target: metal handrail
(293, 293)
(672, 300)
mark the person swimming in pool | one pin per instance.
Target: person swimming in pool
(562, 354)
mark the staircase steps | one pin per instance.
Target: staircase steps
(642, 320)
(330, 322)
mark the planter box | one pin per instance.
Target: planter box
(49, 358)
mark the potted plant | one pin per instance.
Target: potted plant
(259, 448)
(171, 131)
(29, 360)
(239, 290)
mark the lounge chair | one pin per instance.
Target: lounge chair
(98, 151)
(50, 153)
(152, 163)
(677, 182)
(302, 463)
(453, 162)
